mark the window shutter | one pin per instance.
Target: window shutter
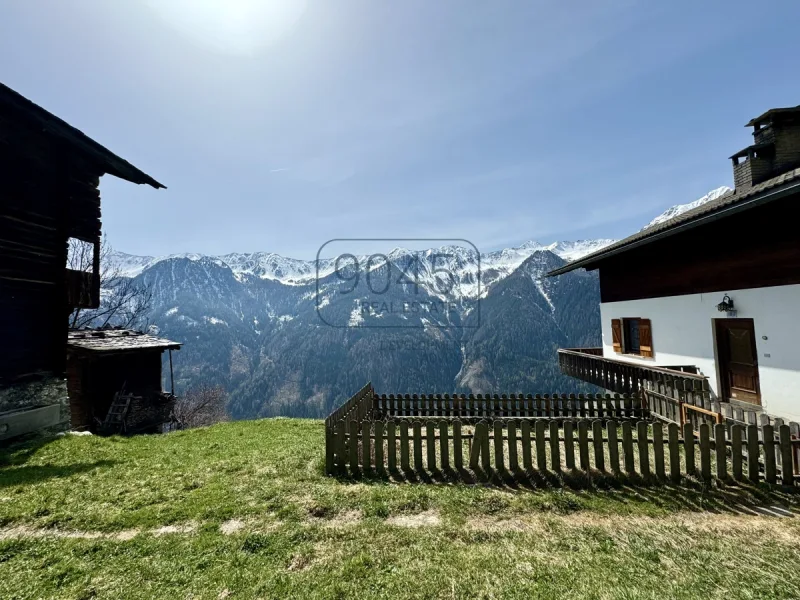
(645, 338)
(616, 335)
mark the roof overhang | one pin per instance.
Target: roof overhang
(591, 262)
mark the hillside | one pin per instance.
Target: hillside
(242, 510)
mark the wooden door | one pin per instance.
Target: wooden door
(738, 360)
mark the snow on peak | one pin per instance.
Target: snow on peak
(679, 209)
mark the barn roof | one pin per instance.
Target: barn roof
(727, 204)
(19, 107)
(116, 340)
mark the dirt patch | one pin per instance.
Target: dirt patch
(343, 519)
(23, 531)
(168, 529)
(231, 526)
(299, 562)
(428, 518)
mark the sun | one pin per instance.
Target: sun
(233, 26)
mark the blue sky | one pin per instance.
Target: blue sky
(277, 125)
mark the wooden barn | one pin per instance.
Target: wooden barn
(50, 173)
(114, 381)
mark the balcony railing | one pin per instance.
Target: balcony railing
(668, 387)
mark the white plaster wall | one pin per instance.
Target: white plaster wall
(683, 334)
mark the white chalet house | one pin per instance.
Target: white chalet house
(713, 294)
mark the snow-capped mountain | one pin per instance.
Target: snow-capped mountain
(678, 209)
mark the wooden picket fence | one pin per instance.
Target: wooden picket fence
(517, 436)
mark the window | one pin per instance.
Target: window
(632, 336)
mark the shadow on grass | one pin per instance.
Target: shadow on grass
(689, 494)
(22, 475)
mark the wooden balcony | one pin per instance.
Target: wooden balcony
(589, 364)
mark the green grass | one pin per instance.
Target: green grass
(243, 510)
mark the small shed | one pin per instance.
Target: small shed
(114, 380)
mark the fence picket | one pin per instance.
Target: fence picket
(721, 451)
(597, 441)
(366, 457)
(458, 456)
(787, 462)
(752, 453)
(353, 447)
(499, 457)
(404, 447)
(569, 444)
(475, 448)
(613, 446)
(416, 426)
(555, 448)
(486, 457)
(658, 450)
(527, 459)
(673, 433)
(643, 443)
(513, 462)
(430, 445)
(583, 445)
(444, 445)
(736, 452)
(627, 447)
(341, 445)
(541, 455)
(769, 454)
(705, 453)
(391, 446)
(688, 448)
(379, 467)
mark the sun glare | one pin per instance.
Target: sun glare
(233, 26)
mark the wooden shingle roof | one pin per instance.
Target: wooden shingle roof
(726, 204)
(116, 340)
(16, 106)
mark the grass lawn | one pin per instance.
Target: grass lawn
(243, 510)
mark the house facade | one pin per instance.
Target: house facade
(713, 294)
(49, 200)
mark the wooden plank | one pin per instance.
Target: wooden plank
(430, 444)
(416, 426)
(597, 441)
(329, 448)
(752, 453)
(391, 443)
(569, 444)
(787, 462)
(627, 447)
(379, 466)
(721, 451)
(688, 448)
(525, 432)
(555, 448)
(354, 448)
(513, 461)
(643, 443)
(541, 454)
(341, 445)
(499, 456)
(458, 451)
(583, 445)
(366, 457)
(485, 455)
(444, 445)
(613, 446)
(404, 450)
(673, 434)
(705, 452)
(658, 450)
(736, 452)
(770, 472)
(475, 449)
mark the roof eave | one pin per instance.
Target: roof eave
(757, 200)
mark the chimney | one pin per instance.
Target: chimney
(776, 148)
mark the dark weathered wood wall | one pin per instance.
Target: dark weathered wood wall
(48, 194)
(756, 248)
